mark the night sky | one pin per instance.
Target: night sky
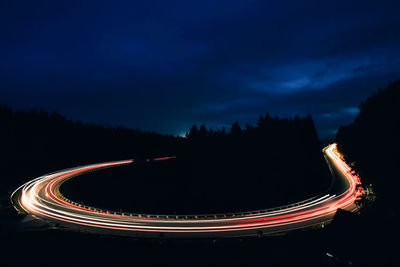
(164, 65)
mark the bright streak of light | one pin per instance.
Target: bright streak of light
(42, 198)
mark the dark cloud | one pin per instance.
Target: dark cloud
(162, 65)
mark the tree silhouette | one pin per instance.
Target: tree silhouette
(235, 129)
(214, 171)
(371, 144)
(193, 132)
(203, 131)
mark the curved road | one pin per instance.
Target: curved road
(41, 198)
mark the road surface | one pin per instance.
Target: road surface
(42, 199)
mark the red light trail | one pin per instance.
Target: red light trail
(41, 197)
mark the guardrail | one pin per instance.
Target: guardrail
(190, 216)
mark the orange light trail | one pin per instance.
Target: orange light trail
(42, 198)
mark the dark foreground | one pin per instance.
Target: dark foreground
(350, 240)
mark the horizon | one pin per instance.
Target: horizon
(226, 128)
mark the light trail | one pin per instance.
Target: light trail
(41, 197)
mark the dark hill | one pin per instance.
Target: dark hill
(372, 144)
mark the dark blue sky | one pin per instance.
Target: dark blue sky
(163, 65)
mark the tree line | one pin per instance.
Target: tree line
(274, 162)
(371, 144)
